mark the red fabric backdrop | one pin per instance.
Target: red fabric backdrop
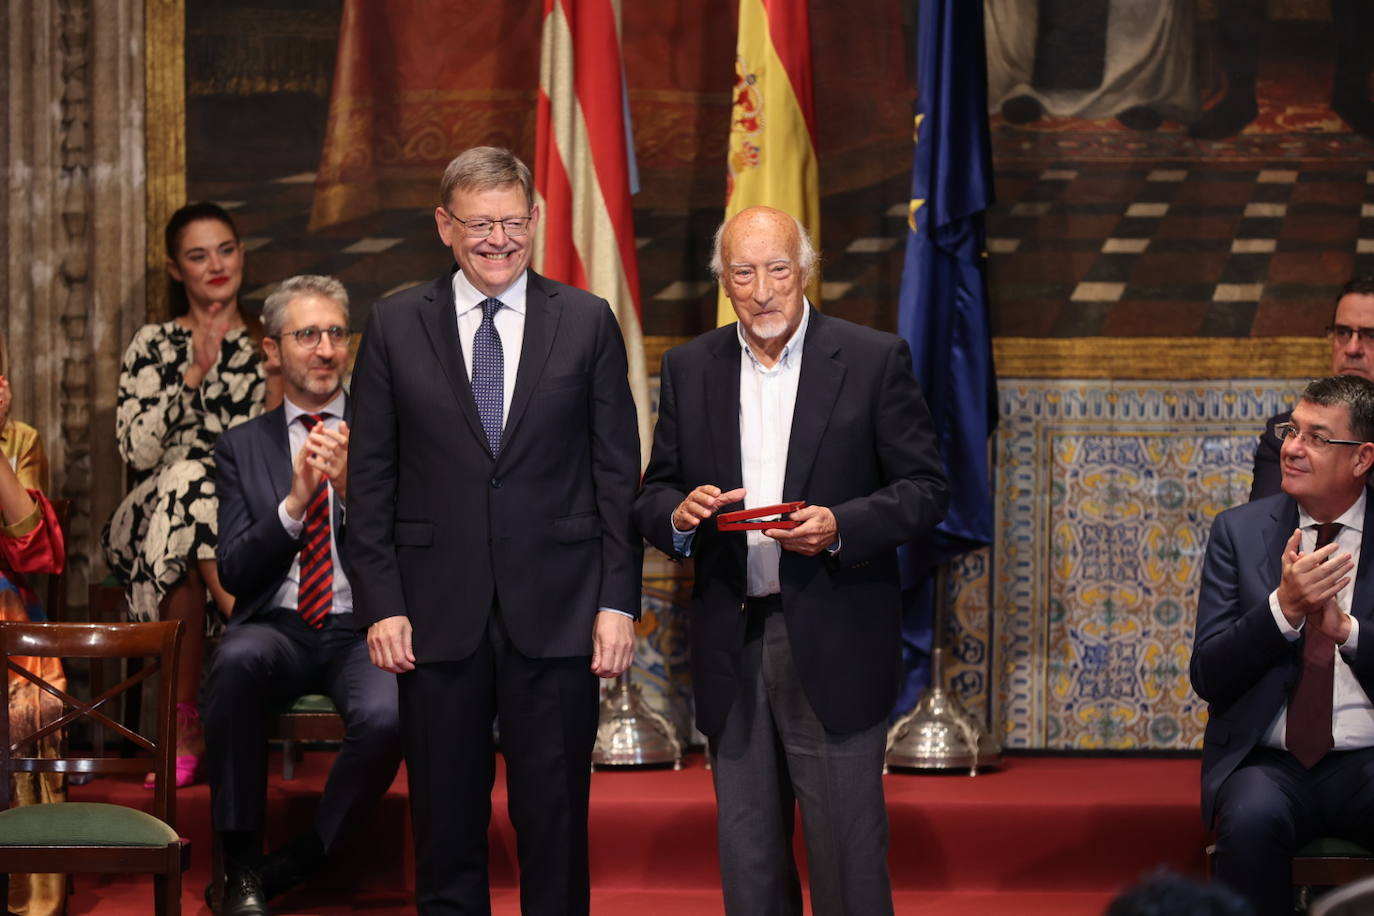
(416, 82)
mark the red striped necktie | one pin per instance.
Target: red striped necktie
(315, 596)
(1307, 733)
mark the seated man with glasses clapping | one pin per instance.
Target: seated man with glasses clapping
(1352, 353)
(282, 481)
(1284, 605)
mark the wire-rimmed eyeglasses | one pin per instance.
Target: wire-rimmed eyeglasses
(479, 227)
(309, 338)
(1286, 431)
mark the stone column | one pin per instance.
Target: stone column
(74, 235)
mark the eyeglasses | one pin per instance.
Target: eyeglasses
(1342, 333)
(480, 227)
(309, 338)
(1286, 431)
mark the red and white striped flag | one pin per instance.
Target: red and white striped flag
(582, 171)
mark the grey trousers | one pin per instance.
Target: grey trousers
(774, 753)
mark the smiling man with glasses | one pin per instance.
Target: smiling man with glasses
(1284, 652)
(1351, 333)
(489, 527)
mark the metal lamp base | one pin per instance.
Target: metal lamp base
(631, 733)
(939, 734)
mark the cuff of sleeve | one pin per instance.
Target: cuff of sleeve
(1289, 632)
(1352, 642)
(613, 610)
(293, 526)
(682, 540)
(24, 525)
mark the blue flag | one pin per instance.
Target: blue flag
(943, 309)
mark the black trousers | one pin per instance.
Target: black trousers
(547, 709)
(269, 661)
(1272, 805)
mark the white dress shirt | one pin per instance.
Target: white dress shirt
(296, 435)
(767, 399)
(1352, 713)
(509, 321)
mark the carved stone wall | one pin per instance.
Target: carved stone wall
(73, 277)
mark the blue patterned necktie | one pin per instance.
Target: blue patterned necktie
(488, 375)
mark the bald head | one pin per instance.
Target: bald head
(766, 219)
(763, 259)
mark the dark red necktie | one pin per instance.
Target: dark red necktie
(1308, 733)
(315, 596)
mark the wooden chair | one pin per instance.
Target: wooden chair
(1331, 862)
(107, 602)
(310, 718)
(1324, 862)
(84, 837)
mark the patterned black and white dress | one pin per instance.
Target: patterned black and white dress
(167, 435)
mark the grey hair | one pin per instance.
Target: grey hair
(274, 309)
(483, 168)
(806, 249)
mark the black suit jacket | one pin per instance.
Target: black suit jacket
(862, 445)
(252, 477)
(438, 530)
(1242, 665)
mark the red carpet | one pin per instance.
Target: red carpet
(1046, 835)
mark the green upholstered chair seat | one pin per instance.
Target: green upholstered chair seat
(1334, 846)
(82, 824)
(312, 703)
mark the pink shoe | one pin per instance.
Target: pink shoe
(188, 769)
(190, 744)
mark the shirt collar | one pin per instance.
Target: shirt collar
(793, 343)
(466, 296)
(334, 408)
(1352, 518)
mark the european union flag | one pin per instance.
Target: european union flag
(943, 309)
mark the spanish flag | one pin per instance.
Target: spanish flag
(582, 169)
(772, 160)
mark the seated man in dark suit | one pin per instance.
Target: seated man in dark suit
(281, 481)
(1281, 657)
(1352, 353)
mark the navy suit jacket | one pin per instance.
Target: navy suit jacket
(439, 530)
(861, 444)
(1242, 665)
(1268, 473)
(252, 477)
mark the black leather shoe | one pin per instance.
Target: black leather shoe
(291, 864)
(243, 894)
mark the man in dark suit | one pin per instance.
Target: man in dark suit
(1280, 654)
(1352, 353)
(490, 541)
(281, 483)
(795, 632)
